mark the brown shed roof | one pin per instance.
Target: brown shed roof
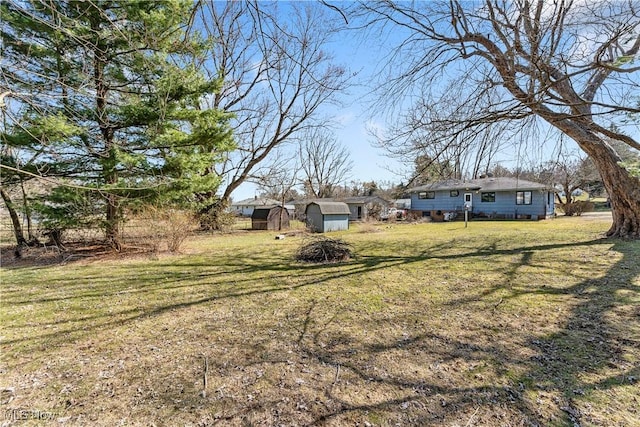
(263, 212)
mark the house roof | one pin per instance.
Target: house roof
(365, 199)
(348, 200)
(449, 184)
(331, 208)
(252, 201)
(509, 184)
(484, 184)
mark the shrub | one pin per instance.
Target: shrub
(413, 216)
(167, 226)
(368, 228)
(217, 219)
(577, 208)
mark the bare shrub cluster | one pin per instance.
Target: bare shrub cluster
(166, 228)
(577, 208)
(368, 228)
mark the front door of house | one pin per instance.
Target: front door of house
(468, 201)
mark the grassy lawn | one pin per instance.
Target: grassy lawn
(499, 324)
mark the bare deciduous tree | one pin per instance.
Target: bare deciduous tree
(567, 64)
(427, 135)
(276, 75)
(278, 179)
(325, 163)
(572, 174)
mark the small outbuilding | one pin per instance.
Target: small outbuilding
(367, 207)
(327, 216)
(270, 218)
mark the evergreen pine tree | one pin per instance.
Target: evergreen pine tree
(106, 97)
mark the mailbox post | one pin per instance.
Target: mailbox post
(466, 215)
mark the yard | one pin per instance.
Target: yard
(499, 324)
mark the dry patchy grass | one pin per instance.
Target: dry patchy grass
(503, 323)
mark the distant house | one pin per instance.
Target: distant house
(505, 198)
(365, 207)
(245, 207)
(323, 216)
(402, 203)
(360, 207)
(270, 218)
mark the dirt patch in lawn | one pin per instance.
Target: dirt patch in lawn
(74, 252)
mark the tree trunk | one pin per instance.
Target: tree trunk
(624, 193)
(109, 163)
(27, 212)
(622, 187)
(17, 227)
(112, 229)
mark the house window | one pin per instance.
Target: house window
(454, 193)
(427, 195)
(488, 197)
(523, 197)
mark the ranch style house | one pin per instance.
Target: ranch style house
(496, 198)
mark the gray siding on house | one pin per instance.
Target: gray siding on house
(442, 201)
(363, 207)
(505, 203)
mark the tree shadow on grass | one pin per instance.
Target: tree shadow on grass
(594, 351)
(591, 354)
(210, 275)
(584, 357)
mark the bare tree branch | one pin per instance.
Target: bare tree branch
(325, 163)
(462, 66)
(276, 74)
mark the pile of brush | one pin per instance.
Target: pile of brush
(324, 250)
